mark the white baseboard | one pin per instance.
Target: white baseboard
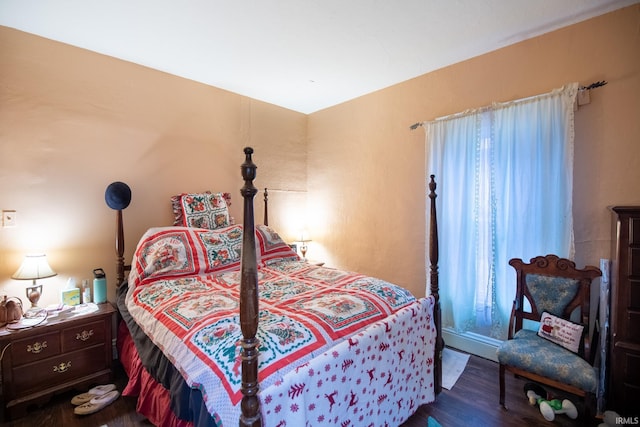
(472, 343)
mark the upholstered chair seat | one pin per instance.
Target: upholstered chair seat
(532, 353)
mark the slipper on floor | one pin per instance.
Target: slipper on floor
(94, 392)
(97, 403)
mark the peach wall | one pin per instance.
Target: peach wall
(72, 121)
(368, 169)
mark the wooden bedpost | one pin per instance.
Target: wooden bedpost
(250, 405)
(265, 218)
(435, 288)
(118, 196)
(119, 249)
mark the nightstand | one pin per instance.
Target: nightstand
(58, 355)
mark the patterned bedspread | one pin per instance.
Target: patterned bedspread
(335, 347)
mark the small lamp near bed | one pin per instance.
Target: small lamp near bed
(34, 267)
(304, 239)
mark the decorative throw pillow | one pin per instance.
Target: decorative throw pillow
(560, 331)
(222, 248)
(164, 251)
(202, 210)
(271, 247)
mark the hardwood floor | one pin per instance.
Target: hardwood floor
(473, 401)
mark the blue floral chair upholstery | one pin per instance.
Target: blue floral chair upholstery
(553, 285)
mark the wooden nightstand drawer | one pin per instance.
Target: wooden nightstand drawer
(59, 369)
(35, 348)
(83, 336)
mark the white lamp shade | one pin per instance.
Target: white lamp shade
(34, 267)
(304, 236)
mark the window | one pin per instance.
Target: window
(505, 179)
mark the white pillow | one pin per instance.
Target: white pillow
(560, 331)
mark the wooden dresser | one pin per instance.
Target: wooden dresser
(58, 355)
(624, 350)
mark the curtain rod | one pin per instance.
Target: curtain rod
(593, 85)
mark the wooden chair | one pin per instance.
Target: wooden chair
(549, 284)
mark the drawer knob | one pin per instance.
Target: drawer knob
(84, 335)
(62, 367)
(36, 347)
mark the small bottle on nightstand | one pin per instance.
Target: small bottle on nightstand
(86, 291)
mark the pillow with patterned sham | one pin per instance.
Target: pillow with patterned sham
(560, 331)
(183, 251)
(164, 251)
(202, 210)
(271, 247)
(222, 248)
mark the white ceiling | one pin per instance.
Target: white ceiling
(304, 55)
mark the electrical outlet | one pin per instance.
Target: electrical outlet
(8, 218)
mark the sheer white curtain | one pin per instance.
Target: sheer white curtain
(505, 180)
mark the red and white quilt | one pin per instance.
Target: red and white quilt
(336, 348)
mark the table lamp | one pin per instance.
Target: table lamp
(304, 238)
(34, 267)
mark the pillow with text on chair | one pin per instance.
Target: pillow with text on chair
(202, 210)
(560, 331)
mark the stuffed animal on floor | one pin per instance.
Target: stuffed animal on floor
(549, 407)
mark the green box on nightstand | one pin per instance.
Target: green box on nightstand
(70, 296)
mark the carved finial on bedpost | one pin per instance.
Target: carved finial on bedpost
(435, 288)
(250, 405)
(248, 169)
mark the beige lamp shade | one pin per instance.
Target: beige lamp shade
(304, 236)
(34, 267)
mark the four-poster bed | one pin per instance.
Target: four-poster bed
(318, 345)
